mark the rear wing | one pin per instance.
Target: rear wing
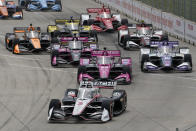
(24, 29)
(66, 39)
(144, 25)
(115, 53)
(105, 84)
(63, 21)
(97, 10)
(162, 43)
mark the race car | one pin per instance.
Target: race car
(69, 51)
(87, 103)
(43, 5)
(166, 56)
(8, 9)
(104, 20)
(26, 40)
(71, 27)
(138, 35)
(106, 64)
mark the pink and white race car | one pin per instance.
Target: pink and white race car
(106, 65)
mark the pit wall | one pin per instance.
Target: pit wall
(172, 24)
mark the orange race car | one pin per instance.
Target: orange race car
(27, 39)
(8, 9)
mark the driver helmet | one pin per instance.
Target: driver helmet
(31, 28)
(75, 38)
(105, 53)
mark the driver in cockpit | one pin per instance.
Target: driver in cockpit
(31, 28)
(75, 38)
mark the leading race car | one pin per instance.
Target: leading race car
(166, 56)
(139, 35)
(35, 5)
(27, 40)
(106, 65)
(8, 9)
(104, 20)
(69, 51)
(87, 103)
(70, 28)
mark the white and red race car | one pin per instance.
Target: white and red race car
(138, 35)
(87, 103)
(104, 20)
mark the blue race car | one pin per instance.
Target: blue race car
(36, 5)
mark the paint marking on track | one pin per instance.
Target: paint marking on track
(44, 68)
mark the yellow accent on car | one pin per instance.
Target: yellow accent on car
(87, 28)
(52, 28)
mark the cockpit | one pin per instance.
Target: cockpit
(105, 15)
(33, 34)
(144, 31)
(75, 45)
(104, 60)
(87, 93)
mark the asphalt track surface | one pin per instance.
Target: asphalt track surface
(156, 101)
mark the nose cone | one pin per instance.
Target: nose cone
(108, 23)
(43, 4)
(3, 11)
(76, 56)
(104, 71)
(166, 61)
(80, 106)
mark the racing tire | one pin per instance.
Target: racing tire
(7, 44)
(144, 59)
(127, 69)
(94, 34)
(90, 21)
(108, 105)
(56, 33)
(56, 103)
(81, 69)
(54, 54)
(59, 3)
(121, 100)
(124, 21)
(15, 42)
(188, 58)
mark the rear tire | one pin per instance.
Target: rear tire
(123, 103)
(124, 21)
(90, 21)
